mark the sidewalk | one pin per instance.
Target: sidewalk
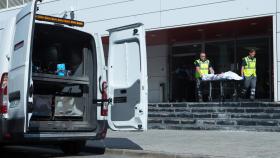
(229, 144)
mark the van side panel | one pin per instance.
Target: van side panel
(6, 41)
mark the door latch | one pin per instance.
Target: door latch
(95, 101)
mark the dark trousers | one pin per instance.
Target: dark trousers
(250, 82)
(198, 89)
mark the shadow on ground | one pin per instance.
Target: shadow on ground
(44, 152)
(115, 143)
(93, 148)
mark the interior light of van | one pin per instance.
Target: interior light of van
(53, 19)
(7, 136)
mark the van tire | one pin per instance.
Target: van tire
(72, 148)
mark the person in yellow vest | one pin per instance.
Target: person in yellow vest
(202, 67)
(249, 73)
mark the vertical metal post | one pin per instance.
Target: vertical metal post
(270, 68)
(275, 59)
(170, 61)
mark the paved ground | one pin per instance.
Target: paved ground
(230, 144)
(49, 152)
(167, 143)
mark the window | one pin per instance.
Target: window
(221, 54)
(14, 3)
(3, 4)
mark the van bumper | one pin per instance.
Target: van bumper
(3, 128)
(41, 137)
(60, 136)
(99, 133)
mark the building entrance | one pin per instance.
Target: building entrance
(225, 45)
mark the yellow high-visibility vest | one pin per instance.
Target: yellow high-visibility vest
(250, 68)
(203, 66)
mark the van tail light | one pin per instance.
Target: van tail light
(4, 94)
(104, 106)
(7, 136)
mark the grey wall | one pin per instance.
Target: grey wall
(157, 72)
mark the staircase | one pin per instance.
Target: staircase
(249, 116)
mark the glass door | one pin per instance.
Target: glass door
(182, 72)
(264, 64)
(221, 55)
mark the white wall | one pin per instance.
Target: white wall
(101, 15)
(194, 12)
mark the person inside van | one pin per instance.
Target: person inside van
(76, 64)
(50, 58)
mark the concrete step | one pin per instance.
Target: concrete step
(231, 116)
(216, 104)
(233, 122)
(216, 127)
(215, 115)
(271, 110)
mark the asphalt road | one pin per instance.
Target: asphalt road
(47, 152)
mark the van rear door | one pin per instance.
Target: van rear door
(127, 78)
(19, 74)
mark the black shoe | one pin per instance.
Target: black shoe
(252, 98)
(234, 97)
(200, 99)
(243, 94)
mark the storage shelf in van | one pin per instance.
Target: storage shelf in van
(60, 79)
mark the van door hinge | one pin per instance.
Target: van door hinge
(8, 57)
(31, 90)
(29, 107)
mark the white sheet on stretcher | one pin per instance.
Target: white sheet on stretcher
(224, 76)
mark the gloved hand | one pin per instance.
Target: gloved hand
(201, 76)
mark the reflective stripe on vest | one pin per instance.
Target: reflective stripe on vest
(204, 68)
(250, 68)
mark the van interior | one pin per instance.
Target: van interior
(63, 75)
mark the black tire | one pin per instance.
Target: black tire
(72, 148)
(2, 146)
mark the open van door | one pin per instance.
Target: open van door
(19, 74)
(127, 78)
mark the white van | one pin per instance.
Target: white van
(55, 86)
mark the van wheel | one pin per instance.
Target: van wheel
(2, 147)
(72, 148)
